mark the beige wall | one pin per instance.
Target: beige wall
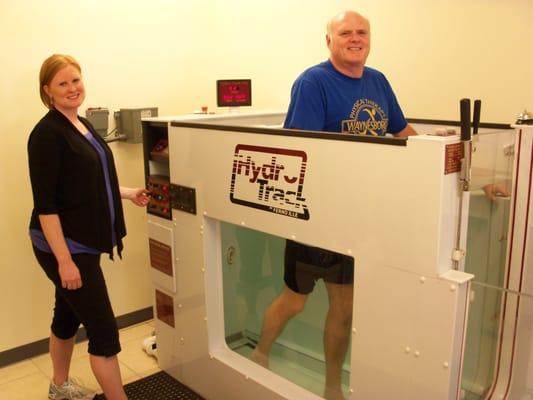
(168, 53)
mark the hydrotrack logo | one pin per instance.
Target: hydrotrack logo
(269, 179)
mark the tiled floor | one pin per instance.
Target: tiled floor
(29, 380)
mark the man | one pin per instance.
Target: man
(341, 94)
(338, 95)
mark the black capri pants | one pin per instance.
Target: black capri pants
(88, 305)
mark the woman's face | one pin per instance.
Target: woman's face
(66, 89)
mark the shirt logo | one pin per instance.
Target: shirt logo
(269, 179)
(366, 118)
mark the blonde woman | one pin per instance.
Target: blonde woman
(77, 216)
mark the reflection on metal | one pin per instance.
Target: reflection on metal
(183, 198)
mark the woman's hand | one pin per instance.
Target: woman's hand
(70, 275)
(68, 270)
(138, 196)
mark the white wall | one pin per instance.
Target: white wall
(168, 53)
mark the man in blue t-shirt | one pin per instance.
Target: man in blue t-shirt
(342, 94)
(338, 95)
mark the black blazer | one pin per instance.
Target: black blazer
(67, 179)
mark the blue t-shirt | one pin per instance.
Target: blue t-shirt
(323, 99)
(37, 237)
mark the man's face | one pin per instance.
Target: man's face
(349, 41)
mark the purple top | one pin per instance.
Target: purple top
(37, 237)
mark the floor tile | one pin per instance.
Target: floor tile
(44, 362)
(131, 379)
(29, 380)
(134, 357)
(135, 332)
(31, 387)
(80, 368)
(17, 371)
(150, 372)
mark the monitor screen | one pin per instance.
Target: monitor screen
(234, 92)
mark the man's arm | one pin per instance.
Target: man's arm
(407, 131)
(495, 190)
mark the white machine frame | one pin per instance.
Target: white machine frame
(392, 204)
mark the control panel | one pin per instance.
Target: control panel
(159, 187)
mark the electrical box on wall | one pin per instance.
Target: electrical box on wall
(129, 122)
(98, 117)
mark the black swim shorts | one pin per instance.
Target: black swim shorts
(304, 265)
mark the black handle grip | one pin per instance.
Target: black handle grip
(477, 113)
(465, 119)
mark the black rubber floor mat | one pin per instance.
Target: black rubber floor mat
(159, 386)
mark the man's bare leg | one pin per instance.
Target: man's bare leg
(337, 336)
(279, 312)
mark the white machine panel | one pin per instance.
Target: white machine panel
(376, 196)
(393, 208)
(161, 243)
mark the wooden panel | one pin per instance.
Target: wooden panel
(164, 308)
(161, 257)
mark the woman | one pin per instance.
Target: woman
(77, 216)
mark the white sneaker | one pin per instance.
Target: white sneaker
(150, 346)
(70, 390)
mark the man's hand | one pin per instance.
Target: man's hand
(494, 190)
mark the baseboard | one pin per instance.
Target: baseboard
(39, 347)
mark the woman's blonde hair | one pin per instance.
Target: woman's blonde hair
(49, 69)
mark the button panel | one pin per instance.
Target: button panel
(159, 187)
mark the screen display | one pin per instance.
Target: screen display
(234, 93)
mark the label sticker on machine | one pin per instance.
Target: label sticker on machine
(454, 155)
(269, 179)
